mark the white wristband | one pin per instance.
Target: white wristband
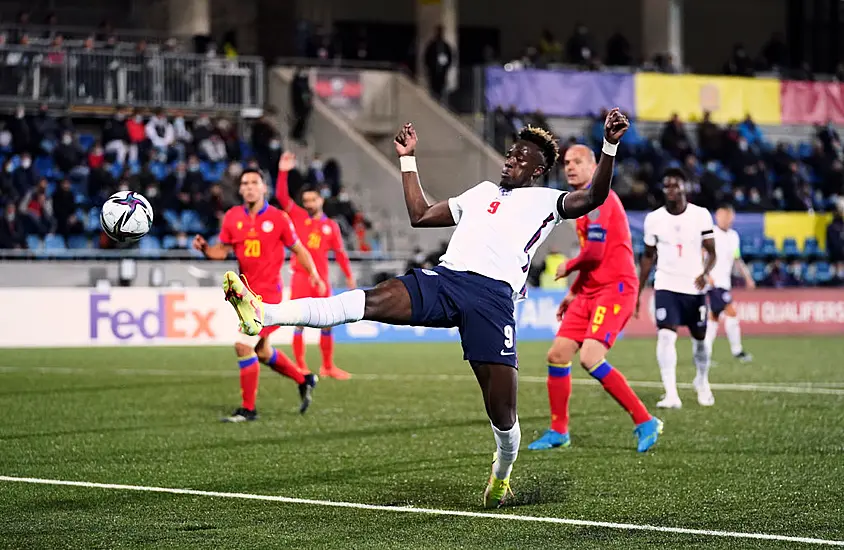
(408, 163)
(609, 148)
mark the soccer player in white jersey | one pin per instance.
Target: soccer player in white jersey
(484, 270)
(674, 236)
(728, 256)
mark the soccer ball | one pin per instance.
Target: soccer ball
(126, 217)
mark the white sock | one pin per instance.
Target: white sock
(666, 356)
(711, 334)
(317, 312)
(733, 330)
(702, 359)
(508, 449)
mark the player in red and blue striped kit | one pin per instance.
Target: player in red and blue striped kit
(598, 305)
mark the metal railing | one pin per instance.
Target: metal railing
(108, 78)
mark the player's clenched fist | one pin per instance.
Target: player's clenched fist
(615, 125)
(406, 140)
(199, 243)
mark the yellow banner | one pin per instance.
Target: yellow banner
(729, 99)
(796, 225)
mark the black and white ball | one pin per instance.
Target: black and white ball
(126, 217)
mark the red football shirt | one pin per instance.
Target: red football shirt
(319, 235)
(606, 255)
(259, 242)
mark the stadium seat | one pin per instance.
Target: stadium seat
(800, 271)
(191, 222)
(54, 242)
(92, 224)
(86, 141)
(769, 249)
(823, 273)
(215, 240)
(751, 248)
(158, 169)
(790, 248)
(116, 170)
(150, 246)
(758, 270)
(812, 249)
(173, 220)
(33, 242)
(78, 242)
(804, 150)
(169, 242)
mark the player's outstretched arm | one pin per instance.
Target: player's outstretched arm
(646, 264)
(581, 202)
(421, 212)
(218, 251)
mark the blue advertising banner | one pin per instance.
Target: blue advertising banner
(559, 93)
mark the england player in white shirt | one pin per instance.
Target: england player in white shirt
(674, 236)
(728, 257)
(499, 228)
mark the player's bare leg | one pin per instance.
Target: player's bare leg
(666, 356)
(499, 386)
(281, 364)
(560, 358)
(702, 363)
(733, 330)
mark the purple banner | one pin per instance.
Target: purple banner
(559, 93)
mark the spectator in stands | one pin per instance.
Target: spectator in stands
(12, 235)
(618, 50)
(740, 63)
(674, 139)
(96, 156)
(161, 135)
(301, 98)
(438, 60)
(833, 182)
(213, 149)
(793, 185)
(137, 136)
(101, 183)
(64, 209)
(778, 275)
(184, 137)
(709, 139)
(829, 137)
(45, 130)
(266, 140)
(25, 177)
(52, 23)
(749, 131)
(8, 191)
(230, 182)
(213, 209)
(22, 26)
(116, 135)
(817, 159)
(68, 155)
(775, 53)
(36, 210)
(228, 134)
(579, 47)
(53, 69)
(21, 129)
(140, 79)
(90, 72)
(550, 48)
(202, 128)
(835, 236)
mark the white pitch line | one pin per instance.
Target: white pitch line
(825, 388)
(430, 511)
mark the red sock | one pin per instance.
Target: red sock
(617, 386)
(559, 391)
(285, 367)
(299, 350)
(249, 372)
(326, 345)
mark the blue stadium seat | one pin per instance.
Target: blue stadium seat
(809, 275)
(54, 242)
(800, 271)
(51, 188)
(33, 242)
(804, 150)
(158, 169)
(191, 222)
(150, 246)
(92, 224)
(78, 242)
(790, 248)
(750, 248)
(215, 240)
(812, 249)
(44, 166)
(173, 220)
(86, 141)
(769, 248)
(823, 273)
(116, 170)
(758, 270)
(169, 242)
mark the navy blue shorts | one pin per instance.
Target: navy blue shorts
(674, 309)
(482, 308)
(719, 299)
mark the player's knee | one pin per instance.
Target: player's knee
(561, 352)
(503, 419)
(263, 350)
(243, 350)
(591, 354)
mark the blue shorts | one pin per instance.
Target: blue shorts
(719, 299)
(482, 308)
(673, 309)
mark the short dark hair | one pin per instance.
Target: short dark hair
(309, 189)
(675, 172)
(546, 142)
(251, 171)
(725, 206)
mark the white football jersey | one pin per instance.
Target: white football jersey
(727, 250)
(678, 241)
(499, 230)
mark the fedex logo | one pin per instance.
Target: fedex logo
(169, 318)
